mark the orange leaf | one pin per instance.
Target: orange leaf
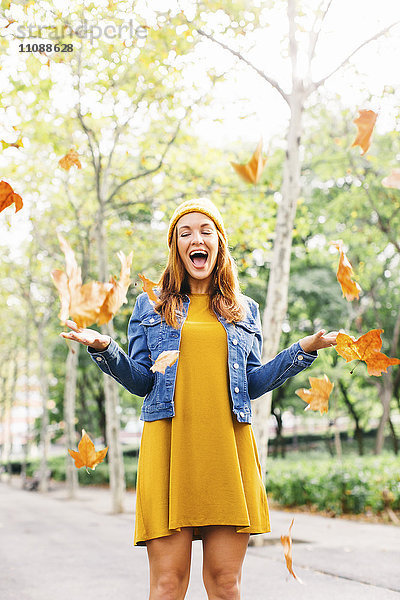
(286, 541)
(392, 180)
(83, 303)
(86, 305)
(17, 144)
(61, 282)
(116, 297)
(87, 455)
(366, 348)
(71, 158)
(8, 197)
(350, 288)
(365, 125)
(164, 360)
(317, 397)
(251, 172)
(148, 286)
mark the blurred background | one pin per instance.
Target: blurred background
(157, 99)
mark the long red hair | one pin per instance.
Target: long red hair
(225, 297)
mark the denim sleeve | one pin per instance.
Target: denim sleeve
(264, 378)
(132, 371)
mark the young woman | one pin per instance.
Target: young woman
(199, 475)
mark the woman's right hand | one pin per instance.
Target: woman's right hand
(88, 337)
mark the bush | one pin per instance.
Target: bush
(352, 486)
(98, 476)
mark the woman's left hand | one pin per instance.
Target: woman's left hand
(319, 340)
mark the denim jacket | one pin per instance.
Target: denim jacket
(149, 335)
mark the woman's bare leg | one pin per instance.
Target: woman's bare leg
(223, 554)
(169, 559)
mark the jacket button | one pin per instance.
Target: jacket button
(235, 366)
(300, 357)
(241, 414)
(236, 389)
(98, 358)
(234, 341)
(152, 320)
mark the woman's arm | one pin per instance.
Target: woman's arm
(262, 378)
(132, 371)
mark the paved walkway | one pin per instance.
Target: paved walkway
(52, 548)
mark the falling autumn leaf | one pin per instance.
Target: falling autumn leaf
(93, 302)
(17, 144)
(317, 397)
(251, 172)
(148, 286)
(116, 297)
(392, 180)
(8, 197)
(365, 125)
(350, 288)
(87, 455)
(366, 348)
(286, 541)
(71, 158)
(164, 360)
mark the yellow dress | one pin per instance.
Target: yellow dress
(200, 467)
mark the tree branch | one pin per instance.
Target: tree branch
(314, 35)
(293, 51)
(316, 84)
(271, 81)
(149, 171)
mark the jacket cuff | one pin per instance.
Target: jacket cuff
(110, 352)
(299, 356)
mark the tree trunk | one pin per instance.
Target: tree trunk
(13, 389)
(394, 437)
(27, 404)
(278, 284)
(7, 409)
(69, 415)
(358, 432)
(44, 432)
(115, 459)
(385, 396)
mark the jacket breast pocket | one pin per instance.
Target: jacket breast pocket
(245, 331)
(152, 325)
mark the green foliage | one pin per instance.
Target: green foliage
(353, 486)
(98, 476)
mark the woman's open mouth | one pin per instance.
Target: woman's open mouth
(198, 258)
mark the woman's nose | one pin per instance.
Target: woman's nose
(197, 239)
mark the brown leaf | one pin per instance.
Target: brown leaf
(392, 180)
(251, 172)
(366, 348)
(350, 288)
(317, 397)
(17, 144)
(61, 282)
(71, 158)
(116, 297)
(286, 541)
(8, 197)
(81, 302)
(148, 286)
(365, 125)
(164, 360)
(87, 455)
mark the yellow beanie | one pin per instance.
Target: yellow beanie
(202, 205)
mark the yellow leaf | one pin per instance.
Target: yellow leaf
(87, 455)
(251, 172)
(164, 360)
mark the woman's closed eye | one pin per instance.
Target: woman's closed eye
(202, 233)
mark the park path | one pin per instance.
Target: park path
(52, 548)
